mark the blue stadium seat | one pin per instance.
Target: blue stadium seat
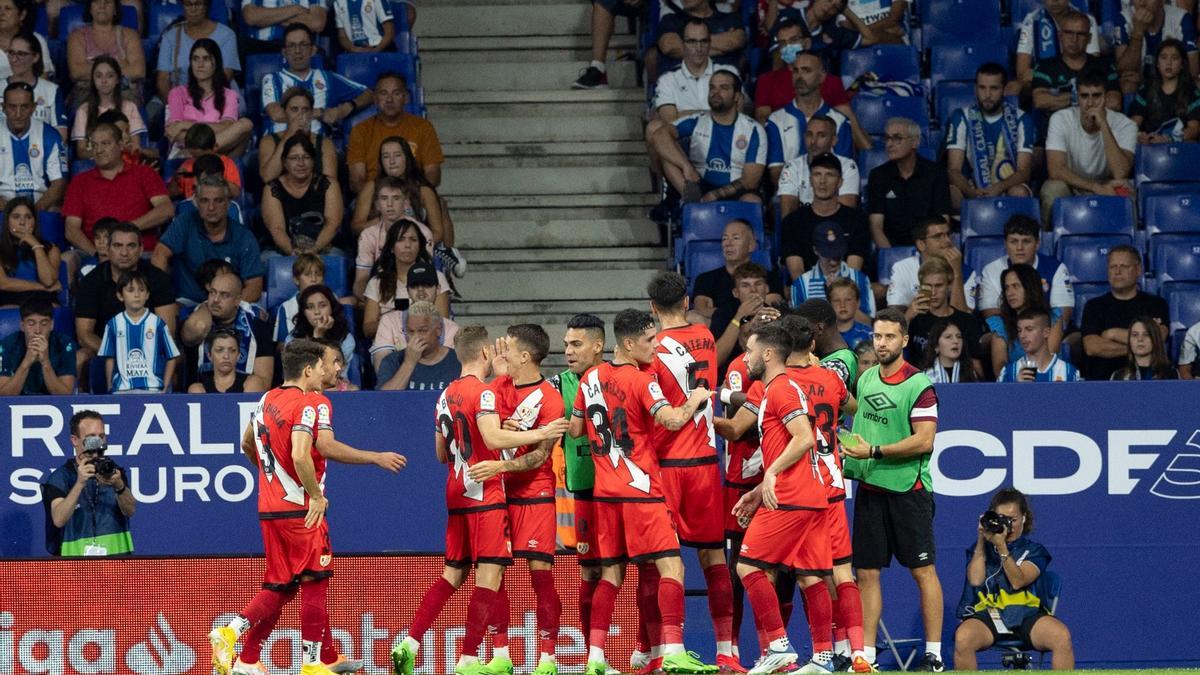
(947, 22)
(1183, 303)
(10, 321)
(64, 321)
(41, 20)
(1085, 292)
(53, 228)
(65, 281)
(889, 257)
(1086, 257)
(958, 62)
(888, 62)
(70, 17)
(1173, 214)
(1020, 8)
(280, 286)
(705, 254)
(873, 112)
(1092, 214)
(708, 220)
(986, 217)
(160, 16)
(366, 68)
(1177, 259)
(979, 251)
(950, 96)
(1167, 168)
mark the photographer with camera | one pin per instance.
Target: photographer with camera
(1002, 599)
(87, 500)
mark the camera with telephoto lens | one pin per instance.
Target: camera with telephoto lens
(105, 467)
(995, 523)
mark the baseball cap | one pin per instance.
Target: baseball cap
(422, 274)
(829, 239)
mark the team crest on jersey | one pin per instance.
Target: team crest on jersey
(740, 143)
(320, 84)
(656, 391)
(487, 400)
(735, 381)
(582, 548)
(34, 153)
(367, 8)
(149, 333)
(309, 417)
(326, 559)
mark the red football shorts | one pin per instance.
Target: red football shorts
(634, 532)
(695, 499)
(293, 551)
(795, 540)
(839, 532)
(478, 537)
(533, 530)
(586, 548)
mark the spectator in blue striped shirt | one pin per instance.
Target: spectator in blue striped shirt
(1038, 364)
(140, 354)
(334, 97)
(364, 25)
(830, 244)
(268, 21)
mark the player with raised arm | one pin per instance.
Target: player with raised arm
(686, 358)
(526, 401)
(618, 405)
(291, 504)
(583, 347)
(468, 432)
(791, 532)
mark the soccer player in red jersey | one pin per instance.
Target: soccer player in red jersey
(686, 358)
(743, 473)
(526, 400)
(791, 532)
(291, 505)
(618, 405)
(469, 432)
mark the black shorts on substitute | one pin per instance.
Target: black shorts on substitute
(893, 525)
(1019, 633)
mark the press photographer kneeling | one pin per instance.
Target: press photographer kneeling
(88, 501)
(1003, 600)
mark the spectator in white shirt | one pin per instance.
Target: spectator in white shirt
(795, 184)
(684, 90)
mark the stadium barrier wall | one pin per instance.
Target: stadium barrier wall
(1113, 470)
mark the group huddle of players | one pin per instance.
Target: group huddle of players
(641, 461)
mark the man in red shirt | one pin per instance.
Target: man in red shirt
(618, 405)
(469, 432)
(775, 89)
(526, 401)
(686, 358)
(128, 192)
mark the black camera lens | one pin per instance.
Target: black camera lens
(105, 467)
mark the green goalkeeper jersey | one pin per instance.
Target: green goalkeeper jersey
(577, 452)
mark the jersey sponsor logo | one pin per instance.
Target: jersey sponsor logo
(323, 413)
(656, 391)
(136, 364)
(879, 401)
(735, 380)
(487, 400)
(309, 416)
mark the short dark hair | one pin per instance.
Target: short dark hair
(817, 311)
(292, 92)
(773, 336)
(200, 136)
(823, 118)
(799, 329)
(37, 305)
(1125, 248)
(992, 68)
(134, 275)
(1022, 224)
(629, 323)
(13, 85)
(1031, 313)
(300, 354)
(533, 339)
(80, 416)
(694, 21)
(112, 117)
(1092, 76)
(891, 315)
(826, 160)
(667, 290)
(392, 75)
(588, 322)
(921, 229)
(750, 270)
(295, 26)
(208, 165)
(212, 268)
(108, 127)
(219, 333)
(737, 79)
(1012, 495)
(115, 226)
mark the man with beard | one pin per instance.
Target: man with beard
(713, 156)
(994, 137)
(788, 126)
(889, 456)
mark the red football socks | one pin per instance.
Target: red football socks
(720, 601)
(430, 607)
(849, 613)
(819, 607)
(329, 651)
(603, 602)
(479, 610)
(649, 614)
(313, 618)
(266, 603)
(549, 608)
(765, 606)
(586, 589)
(670, 607)
(498, 623)
(260, 630)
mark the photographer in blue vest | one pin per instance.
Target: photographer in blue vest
(87, 500)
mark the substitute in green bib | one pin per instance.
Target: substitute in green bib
(831, 347)
(88, 501)
(583, 346)
(888, 455)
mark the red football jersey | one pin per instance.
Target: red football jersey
(799, 486)
(617, 403)
(685, 359)
(460, 405)
(743, 459)
(280, 412)
(531, 406)
(826, 394)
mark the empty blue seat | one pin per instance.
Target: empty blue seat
(889, 62)
(889, 257)
(950, 96)
(979, 251)
(1092, 214)
(1183, 303)
(10, 321)
(366, 68)
(160, 16)
(70, 18)
(281, 285)
(986, 217)
(1085, 292)
(1176, 214)
(958, 62)
(1166, 168)
(1177, 259)
(873, 112)
(52, 227)
(1086, 257)
(947, 22)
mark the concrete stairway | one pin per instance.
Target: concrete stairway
(547, 186)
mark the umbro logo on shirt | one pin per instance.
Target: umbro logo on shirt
(880, 401)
